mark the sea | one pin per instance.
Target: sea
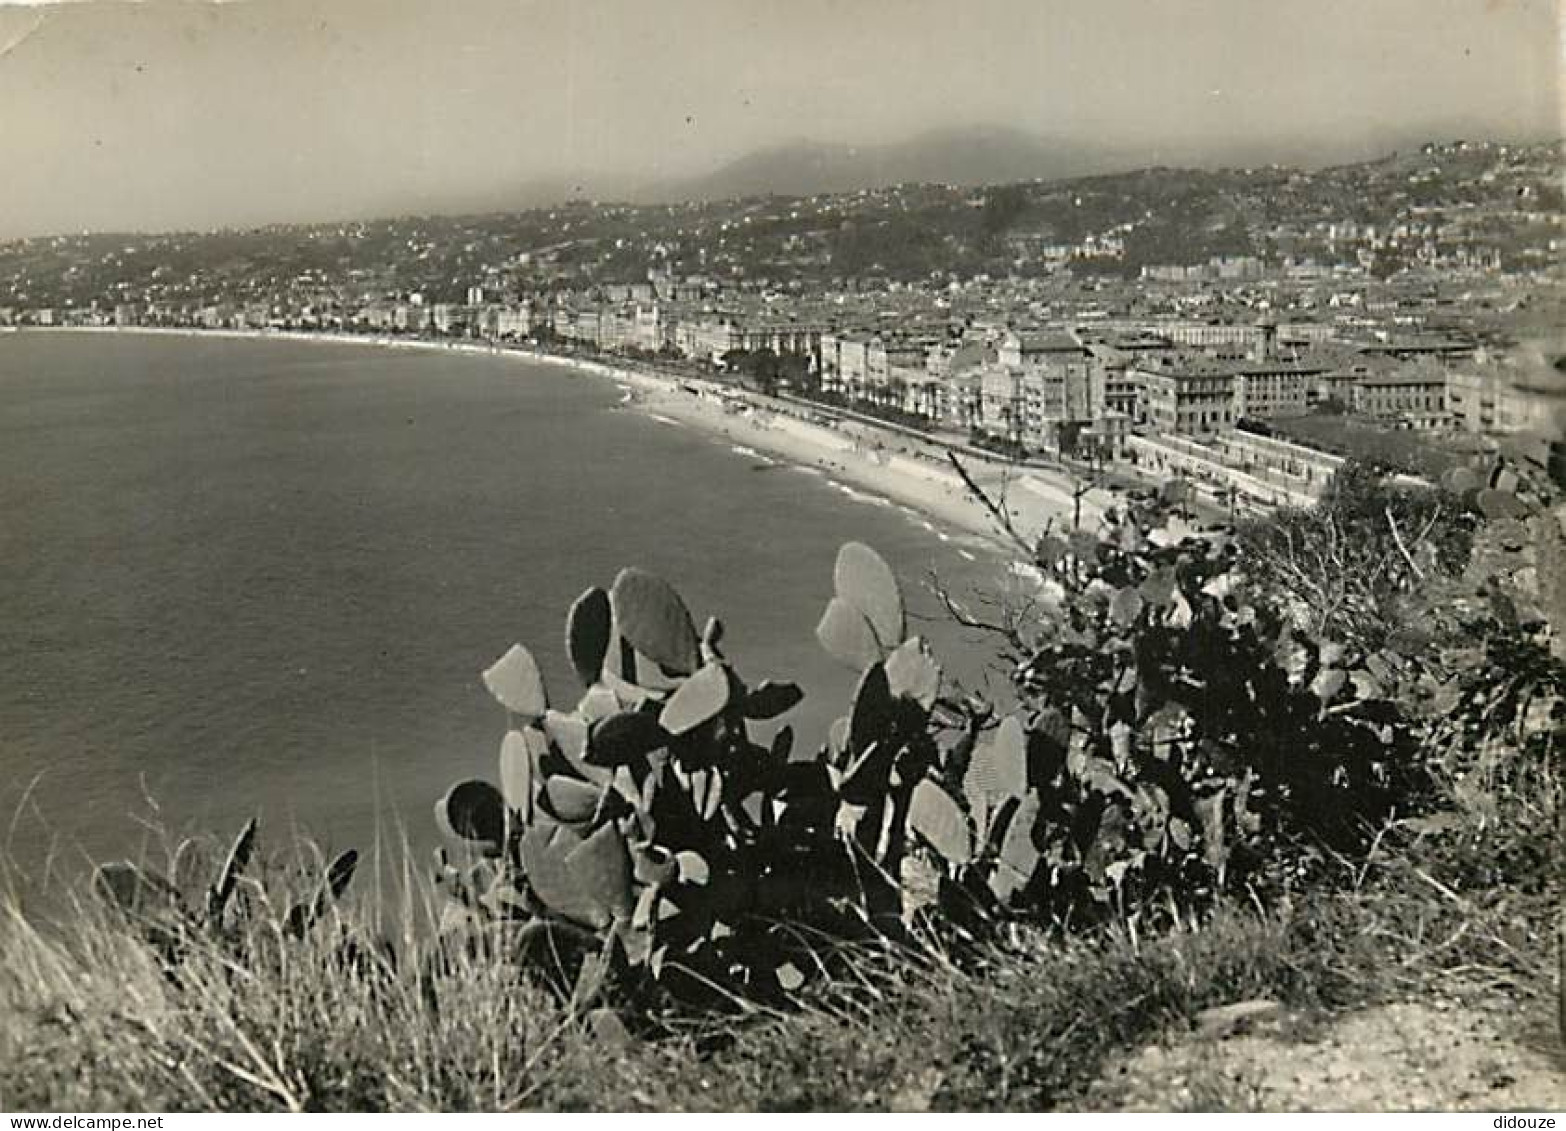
(261, 577)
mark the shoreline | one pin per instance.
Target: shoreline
(866, 464)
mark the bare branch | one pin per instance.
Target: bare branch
(1424, 534)
(963, 617)
(997, 512)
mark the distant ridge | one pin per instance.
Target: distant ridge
(967, 156)
(972, 156)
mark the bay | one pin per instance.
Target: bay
(262, 577)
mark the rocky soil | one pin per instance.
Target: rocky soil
(1424, 1056)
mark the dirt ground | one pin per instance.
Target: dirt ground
(1401, 1057)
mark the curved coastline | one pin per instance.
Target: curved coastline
(865, 463)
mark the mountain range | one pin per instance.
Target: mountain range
(979, 155)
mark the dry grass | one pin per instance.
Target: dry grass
(91, 1020)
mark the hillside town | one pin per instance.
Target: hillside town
(1247, 330)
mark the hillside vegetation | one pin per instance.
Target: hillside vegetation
(1205, 795)
(905, 232)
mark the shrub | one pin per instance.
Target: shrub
(1358, 565)
(1174, 741)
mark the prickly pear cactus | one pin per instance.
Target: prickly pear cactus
(985, 842)
(651, 815)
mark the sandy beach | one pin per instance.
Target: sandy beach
(872, 464)
(863, 459)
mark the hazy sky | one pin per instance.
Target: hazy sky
(160, 114)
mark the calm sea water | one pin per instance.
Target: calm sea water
(262, 577)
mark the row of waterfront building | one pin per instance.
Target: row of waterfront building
(1069, 386)
(1059, 386)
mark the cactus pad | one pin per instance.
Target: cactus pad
(768, 700)
(999, 766)
(846, 633)
(601, 868)
(862, 577)
(654, 620)
(302, 916)
(515, 681)
(570, 800)
(569, 734)
(699, 700)
(937, 818)
(913, 674)
(233, 867)
(544, 849)
(1019, 857)
(873, 714)
(1498, 504)
(623, 738)
(473, 811)
(517, 767)
(588, 634)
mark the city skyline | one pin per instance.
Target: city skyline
(159, 115)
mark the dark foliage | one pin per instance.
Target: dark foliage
(1363, 561)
